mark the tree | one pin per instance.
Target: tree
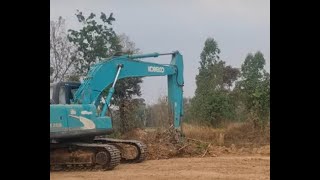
(62, 53)
(97, 40)
(230, 75)
(255, 86)
(126, 88)
(186, 109)
(158, 114)
(209, 54)
(94, 41)
(212, 103)
(128, 46)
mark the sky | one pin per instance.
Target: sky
(239, 27)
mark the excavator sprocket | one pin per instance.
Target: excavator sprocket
(83, 156)
(132, 151)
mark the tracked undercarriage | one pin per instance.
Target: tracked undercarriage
(132, 151)
(101, 154)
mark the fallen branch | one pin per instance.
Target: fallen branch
(183, 147)
(198, 140)
(206, 150)
(167, 130)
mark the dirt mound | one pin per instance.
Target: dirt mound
(162, 144)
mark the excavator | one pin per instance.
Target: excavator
(79, 120)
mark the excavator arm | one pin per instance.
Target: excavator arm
(107, 72)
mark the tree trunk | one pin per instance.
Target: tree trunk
(122, 117)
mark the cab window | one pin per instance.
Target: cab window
(62, 95)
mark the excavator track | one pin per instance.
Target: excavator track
(84, 157)
(124, 145)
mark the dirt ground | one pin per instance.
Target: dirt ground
(222, 167)
(206, 153)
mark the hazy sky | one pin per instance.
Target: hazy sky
(239, 27)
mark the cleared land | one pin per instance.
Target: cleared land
(236, 152)
(228, 167)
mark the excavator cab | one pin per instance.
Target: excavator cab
(63, 92)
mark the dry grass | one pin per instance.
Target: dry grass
(240, 134)
(246, 134)
(202, 141)
(204, 133)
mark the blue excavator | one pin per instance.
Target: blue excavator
(79, 121)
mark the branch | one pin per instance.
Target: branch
(206, 150)
(183, 147)
(199, 140)
(68, 66)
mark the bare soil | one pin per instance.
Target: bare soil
(238, 152)
(223, 167)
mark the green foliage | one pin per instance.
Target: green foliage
(73, 78)
(215, 100)
(255, 86)
(212, 108)
(209, 54)
(187, 109)
(212, 103)
(134, 115)
(131, 115)
(97, 40)
(126, 88)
